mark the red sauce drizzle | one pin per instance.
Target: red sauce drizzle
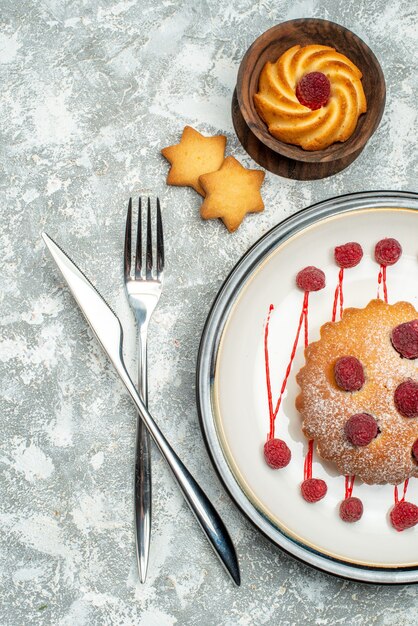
(267, 365)
(349, 480)
(349, 485)
(405, 488)
(303, 318)
(385, 287)
(338, 296)
(382, 278)
(303, 321)
(307, 468)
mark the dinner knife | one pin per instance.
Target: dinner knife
(108, 330)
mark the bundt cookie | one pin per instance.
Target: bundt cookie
(359, 392)
(312, 96)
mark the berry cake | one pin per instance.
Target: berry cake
(359, 393)
(312, 96)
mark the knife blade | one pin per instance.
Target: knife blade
(108, 330)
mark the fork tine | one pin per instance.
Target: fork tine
(138, 255)
(127, 250)
(160, 240)
(149, 243)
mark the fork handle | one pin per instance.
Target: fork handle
(209, 519)
(142, 486)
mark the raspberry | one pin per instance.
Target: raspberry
(310, 279)
(351, 510)
(348, 255)
(404, 515)
(387, 251)
(313, 90)
(277, 453)
(415, 450)
(313, 489)
(361, 429)
(349, 374)
(405, 339)
(406, 398)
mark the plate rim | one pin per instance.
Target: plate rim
(207, 355)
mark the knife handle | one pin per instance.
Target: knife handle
(108, 330)
(204, 511)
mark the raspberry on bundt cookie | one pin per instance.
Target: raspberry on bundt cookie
(312, 96)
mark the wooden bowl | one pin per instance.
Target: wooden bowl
(253, 132)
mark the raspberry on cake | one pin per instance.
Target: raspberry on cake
(415, 450)
(406, 398)
(371, 431)
(349, 373)
(361, 429)
(405, 339)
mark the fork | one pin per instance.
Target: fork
(143, 288)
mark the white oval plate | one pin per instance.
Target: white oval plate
(231, 385)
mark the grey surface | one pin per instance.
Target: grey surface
(90, 93)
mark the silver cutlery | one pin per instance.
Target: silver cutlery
(108, 330)
(143, 288)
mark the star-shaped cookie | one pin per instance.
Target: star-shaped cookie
(193, 156)
(231, 193)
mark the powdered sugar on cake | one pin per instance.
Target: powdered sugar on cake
(325, 408)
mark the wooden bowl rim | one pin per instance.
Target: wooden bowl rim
(337, 150)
